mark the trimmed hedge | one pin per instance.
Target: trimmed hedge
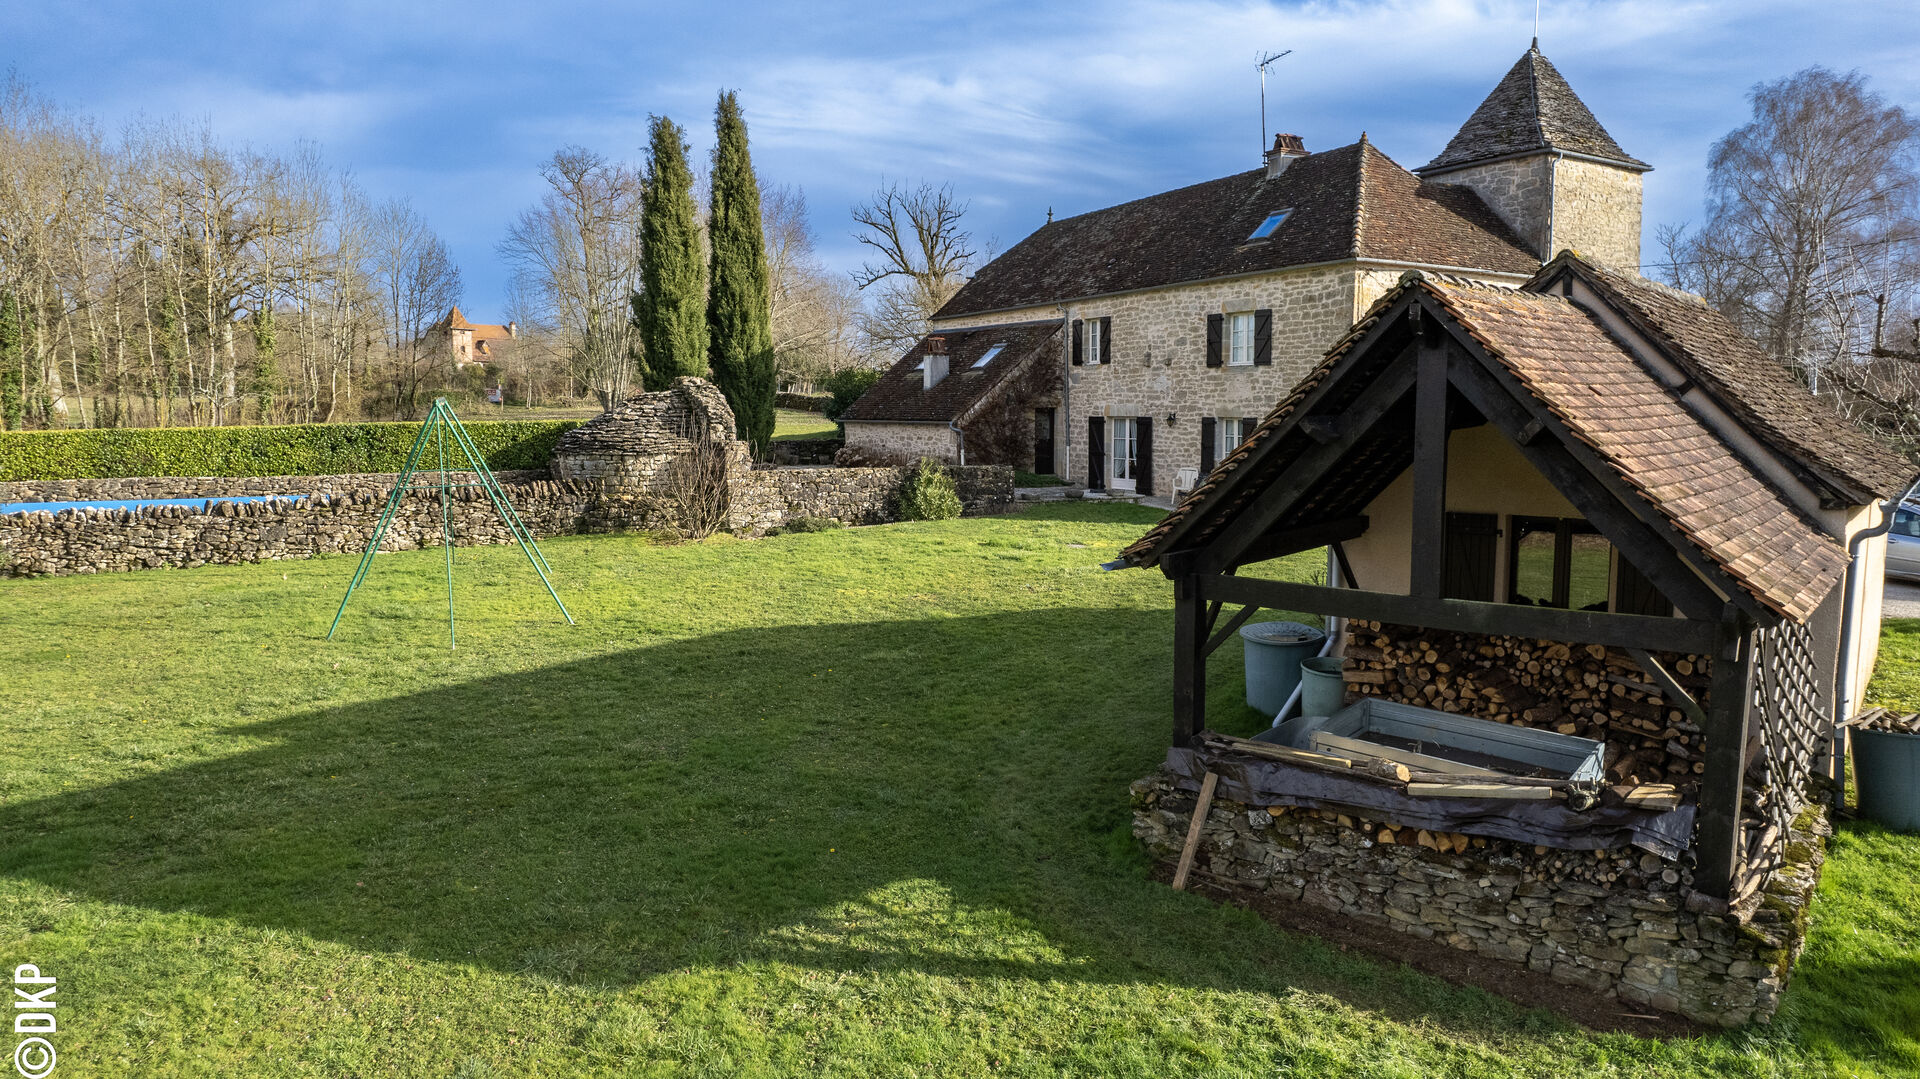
(802, 402)
(314, 449)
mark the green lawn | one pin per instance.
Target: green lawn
(790, 423)
(837, 803)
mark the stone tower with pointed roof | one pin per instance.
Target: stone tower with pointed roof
(1534, 152)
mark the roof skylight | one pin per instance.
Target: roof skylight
(1272, 222)
(990, 354)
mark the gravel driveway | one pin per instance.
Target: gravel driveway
(1902, 600)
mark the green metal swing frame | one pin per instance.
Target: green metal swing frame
(441, 427)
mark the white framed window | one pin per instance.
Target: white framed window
(1240, 339)
(1226, 435)
(1093, 340)
(987, 358)
(1124, 459)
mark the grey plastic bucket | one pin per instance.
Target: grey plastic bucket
(1886, 773)
(1323, 685)
(1273, 653)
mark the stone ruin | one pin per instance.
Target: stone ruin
(627, 450)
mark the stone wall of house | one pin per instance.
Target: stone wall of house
(145, 487)
(899, 443)
(1556, 204)
(1597, 212)
(1516, 189)
(805, 451)
(1611, 921)
(1159, 358)
(105, 540)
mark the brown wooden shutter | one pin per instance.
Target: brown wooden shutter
(1472, 546)
(1263, 337)
(1079, 342)
(1143, 473)
(1246, 427)
(1206, 445)
(1216, 325)
(1106, 340)
(1096, 453)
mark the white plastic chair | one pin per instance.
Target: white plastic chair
(1184, 481)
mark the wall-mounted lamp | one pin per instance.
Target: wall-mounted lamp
(1171, 416)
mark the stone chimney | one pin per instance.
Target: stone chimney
(934, 367)
(1285, 149)
(513, 329)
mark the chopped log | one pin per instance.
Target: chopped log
(1658, 796)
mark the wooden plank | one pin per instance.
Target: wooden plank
(1506, 791)
(1342, 746)
(1428, 566)
(1189, 663)
(1471, 616)
(1717, 853)
(1187, 852)
(1234, 623)
(1346, 567)
(1669, 685)
(1287, 754)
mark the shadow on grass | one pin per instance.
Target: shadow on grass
(938, 795)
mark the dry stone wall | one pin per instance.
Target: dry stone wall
(183, 537)
(146, 487)
(770, 497)
(1633, 938)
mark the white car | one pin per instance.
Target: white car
(1903, 544)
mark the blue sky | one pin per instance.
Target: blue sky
(1022, 106)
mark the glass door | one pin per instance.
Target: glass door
(1124, 458)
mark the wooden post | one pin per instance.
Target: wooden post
(1429, 565)
(1717, 855)
(1189, 660)
(1200, 807)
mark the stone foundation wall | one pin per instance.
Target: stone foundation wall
(1614, 922)
(153, 537)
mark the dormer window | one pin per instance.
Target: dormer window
(990, 354)
(1272, 222)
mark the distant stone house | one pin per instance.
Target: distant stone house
(470, 343)
(1184, 314)
(966, 396)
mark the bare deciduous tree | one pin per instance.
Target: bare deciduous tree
(576, 258)
(923, 256)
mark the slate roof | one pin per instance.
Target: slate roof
(1352, 202)
(1769, 399)
(1591, 382)
(901, 395)
(1532, 108)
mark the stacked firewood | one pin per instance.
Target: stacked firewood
(1585, 690)
(1879, 719)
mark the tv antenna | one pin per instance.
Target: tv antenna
(1262, 65)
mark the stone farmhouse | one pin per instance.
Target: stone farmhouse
(469, 342)
(1177, 318)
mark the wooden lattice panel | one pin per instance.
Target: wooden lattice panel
(1788, 730)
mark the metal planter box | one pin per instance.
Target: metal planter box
(1500, 746)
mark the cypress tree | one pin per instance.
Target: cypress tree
(670, 310)
(13, 404)
(739, 318)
